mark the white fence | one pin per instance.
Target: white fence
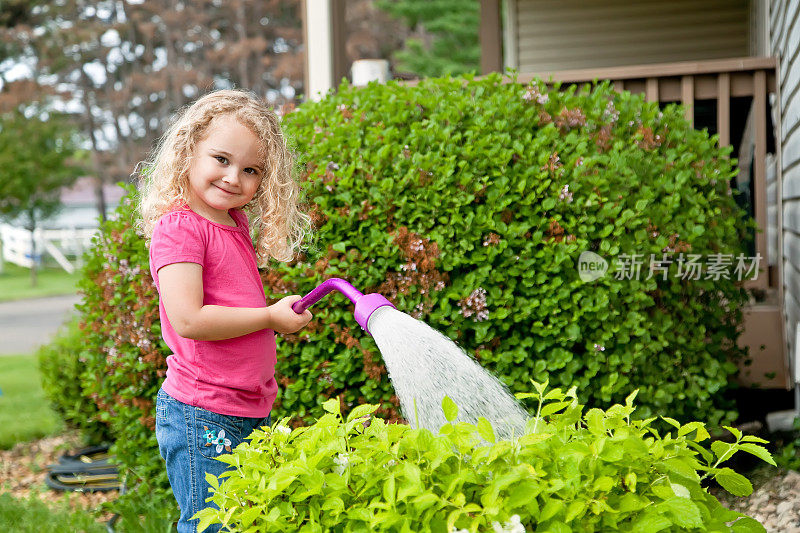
(60, 244)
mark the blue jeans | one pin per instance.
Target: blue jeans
(189, 439)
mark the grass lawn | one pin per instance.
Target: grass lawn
(34, 516)
(25, 413)
(15, 283)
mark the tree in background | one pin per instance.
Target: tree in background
(446, 40)
(37, 159)
(121, 68)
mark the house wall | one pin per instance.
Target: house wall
(554, 35)
(784, 39)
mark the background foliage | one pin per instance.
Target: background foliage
(445, 38)
(60, 367)
(39, 156)
(123, 358)
(467, 203)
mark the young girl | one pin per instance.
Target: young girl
(222, 156)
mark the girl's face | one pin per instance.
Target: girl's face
(225, 170)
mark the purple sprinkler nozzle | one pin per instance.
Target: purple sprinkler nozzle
(366, 304)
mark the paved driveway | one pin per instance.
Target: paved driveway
(27, 324)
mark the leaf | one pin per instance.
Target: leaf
(680, 490)
(662, 491)
(550, 509)
(449, 408)
(525, 395)
(595, 421)
(554, 394)
(683, 512)
(249, 515)
(629, 399)
(721, 449)
(361, 410)
(681, 467)
(332, 406)
(485, 430)
(733, 482)
(540, 387)
(759, 451)
(671, 421)
(207, 517)
(423, 501)
(736, 433)
(702, 433)
(389, 489)
(748, 525)
(212, 480)
(573, 331)
(554, 407)
(651, 522)
(752, 438)
(574, 509)
(707, 456)
(630, 481)
(603, 484)
(534, 438)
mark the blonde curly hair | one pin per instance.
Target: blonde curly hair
(277, 223)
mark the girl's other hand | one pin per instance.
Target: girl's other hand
(283, 317)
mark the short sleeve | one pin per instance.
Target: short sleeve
(240, 217)
(177, 238)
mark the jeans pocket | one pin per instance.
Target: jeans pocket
(217, 434)
(161, 406)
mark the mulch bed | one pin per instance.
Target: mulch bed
(23, 471)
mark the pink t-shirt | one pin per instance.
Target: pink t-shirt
(233, 376)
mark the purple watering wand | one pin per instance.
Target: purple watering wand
(366, 304)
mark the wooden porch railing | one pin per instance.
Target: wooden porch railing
(719, 80)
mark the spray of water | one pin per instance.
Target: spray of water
(425, 366)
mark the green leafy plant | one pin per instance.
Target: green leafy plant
(573, 470)
(788, 454)
(60, 368)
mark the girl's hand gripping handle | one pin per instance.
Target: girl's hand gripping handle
(285, 319)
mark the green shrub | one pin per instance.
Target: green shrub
(60, 367)
(124, 356)
(468, 203)
(571, 471)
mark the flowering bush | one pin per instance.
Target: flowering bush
(468, 203)
(573, 470)
(122, 355)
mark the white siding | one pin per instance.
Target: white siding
(569, 34)
(784, 36)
